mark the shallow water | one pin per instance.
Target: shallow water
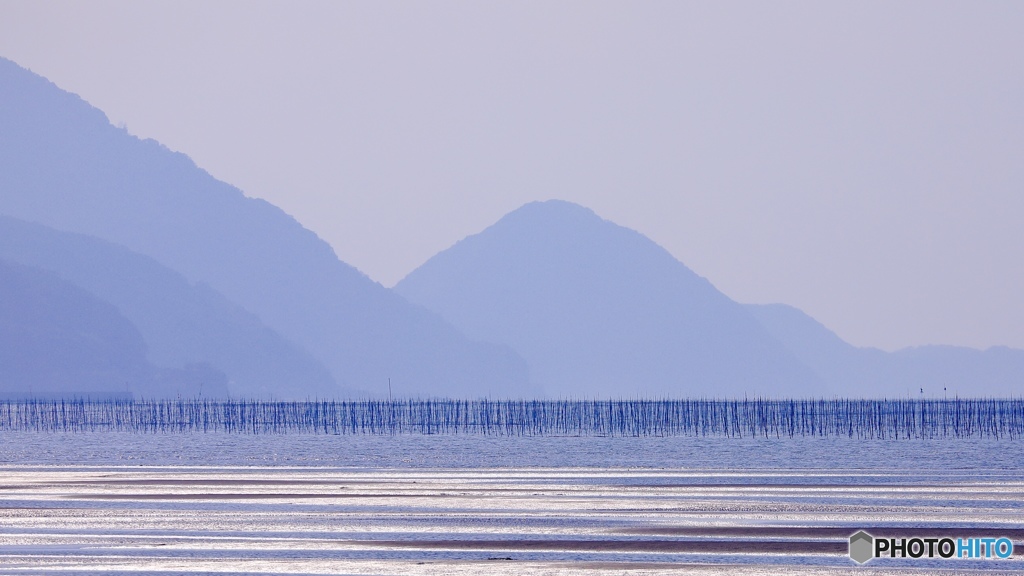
(910, 456)
(410, 504)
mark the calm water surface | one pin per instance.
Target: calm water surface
(472, 451)
(412, 504)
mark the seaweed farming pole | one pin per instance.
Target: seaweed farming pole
(897, 419)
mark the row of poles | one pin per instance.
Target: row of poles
(769, 418)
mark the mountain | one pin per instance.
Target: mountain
(850, 369)
(55, 336)
(863, 372)
(59, 340)
(599, 310)
(63, 165)
(181, 323)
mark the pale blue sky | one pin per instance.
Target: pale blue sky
(860, 160)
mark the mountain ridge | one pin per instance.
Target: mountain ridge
(58, 340)
(863, 371)
(64, 166)
(569, 291)
(182, 323)
(497, 313)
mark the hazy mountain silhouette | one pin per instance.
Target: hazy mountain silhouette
(57, 339)
(146, 274)
(599, 310)
(182, 324)
(869, 372)
(820, 349)
(64, 165)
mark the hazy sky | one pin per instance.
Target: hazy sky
(863, 161)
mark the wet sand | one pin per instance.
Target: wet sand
(267, 520)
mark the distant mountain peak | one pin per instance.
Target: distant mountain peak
(63, 165)
(553, 208)
(553, 215)
(599, 309)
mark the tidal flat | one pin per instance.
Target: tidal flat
(219, 503)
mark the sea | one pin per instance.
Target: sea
(234, 503)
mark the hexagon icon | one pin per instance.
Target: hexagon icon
(862, 547)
